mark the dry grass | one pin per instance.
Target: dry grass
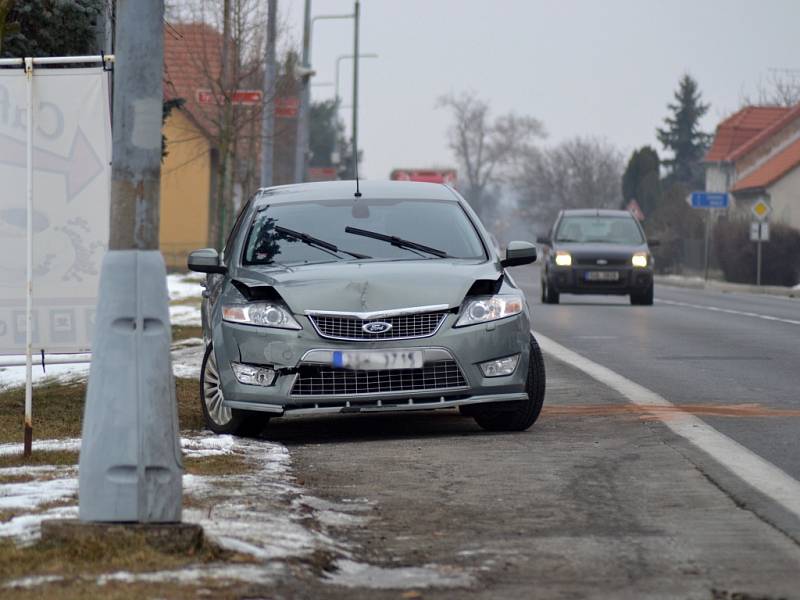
(223, 464)
(40, 457)
(184, 332)
(58, 410)
(87, 558)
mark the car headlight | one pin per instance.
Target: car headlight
(639, 259)
(563, 259)
(264, 314)
(482, 309)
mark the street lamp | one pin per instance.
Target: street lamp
(301, 146)
(339, 60)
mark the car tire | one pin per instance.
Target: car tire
(218, 418)
(517, 415)
(644, 298)
(549, 296)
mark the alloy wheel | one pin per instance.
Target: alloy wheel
(212, 393)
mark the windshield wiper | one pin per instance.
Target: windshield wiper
(316, 242)
(396, 241)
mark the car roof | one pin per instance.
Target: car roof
(596, 212)
(345, 190)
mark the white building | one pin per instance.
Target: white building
(756, 154)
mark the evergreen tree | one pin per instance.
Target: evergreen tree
(682, 136)
(49, 27)
(325, 129)
(642, 180)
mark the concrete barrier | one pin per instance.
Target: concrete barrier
(130, 465)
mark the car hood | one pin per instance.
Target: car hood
(612, 251)
(372, 286)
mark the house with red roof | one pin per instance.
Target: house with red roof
(756, 154)
(192, 73)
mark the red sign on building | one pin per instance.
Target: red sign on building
(446, 176)
(239, 97)
(286, 107)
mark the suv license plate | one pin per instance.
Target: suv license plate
(374, 360)
(602, 276)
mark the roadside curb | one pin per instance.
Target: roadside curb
(721, 286)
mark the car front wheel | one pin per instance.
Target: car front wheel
(644, 298)
(518, 415)
(218, 417)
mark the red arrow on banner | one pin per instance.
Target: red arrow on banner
(79, 168)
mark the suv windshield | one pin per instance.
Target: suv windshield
(595, 229)
(438, 225)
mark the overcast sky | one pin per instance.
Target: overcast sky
(603, 68)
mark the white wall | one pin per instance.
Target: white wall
(785, 199)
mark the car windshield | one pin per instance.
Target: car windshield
(598, 229)
(440, 225)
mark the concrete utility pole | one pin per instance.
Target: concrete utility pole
(130, 467)
(357, 17)
(136, 168)
(270, 90)
(301, 142)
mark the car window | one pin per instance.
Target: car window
(439, 224)
(599, 229)
(235, 229)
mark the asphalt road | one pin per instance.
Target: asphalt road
(695, 347)
(598, 499)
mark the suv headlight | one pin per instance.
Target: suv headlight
(482, 309)
(639, 259)
(263, 314)
(563, 259)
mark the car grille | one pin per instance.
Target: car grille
(610, 262)
(417, 325)
(315, 380)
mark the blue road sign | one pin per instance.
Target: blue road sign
(709, 200)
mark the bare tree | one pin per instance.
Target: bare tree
(582, 172)
(780, 88)
(486, 148)
(224, 44)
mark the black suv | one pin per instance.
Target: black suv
(595, 251)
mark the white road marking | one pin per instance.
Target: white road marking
(729, 311)
(745, 464)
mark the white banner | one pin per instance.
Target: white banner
(71, 183)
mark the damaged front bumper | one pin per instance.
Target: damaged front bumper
(308, 381)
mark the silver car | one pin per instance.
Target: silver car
(328, 300)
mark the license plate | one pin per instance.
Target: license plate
(602, 275)
(377, 359)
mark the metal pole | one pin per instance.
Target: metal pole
(357, 17)
(758, 259)
(136, 168)
(705, 256)
(305, 98)
(268, 109)
(28, 434)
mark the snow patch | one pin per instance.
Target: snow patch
(184, 285)
(185, 315)
(31, 582)
(262, 574)
(26, 529)
(67, 444)
(30, 494)
(354, 574)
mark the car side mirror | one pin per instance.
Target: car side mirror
(206, 261)
(543, 239)
(653, 243)
(519, 253)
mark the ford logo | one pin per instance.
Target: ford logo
(602, 261)
(376, 327)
